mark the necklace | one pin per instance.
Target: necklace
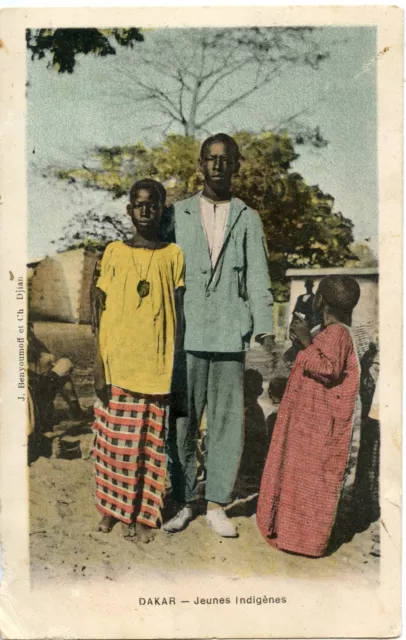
(143, 286)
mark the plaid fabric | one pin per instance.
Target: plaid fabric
(312, 458)
(130, 457)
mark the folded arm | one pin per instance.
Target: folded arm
(325, 358)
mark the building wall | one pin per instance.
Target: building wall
(56, 285)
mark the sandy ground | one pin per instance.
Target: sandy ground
(65, 545)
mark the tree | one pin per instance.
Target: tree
(63, 45)
(190, 77)
(364, 256)
(93, 230)
(300, 226)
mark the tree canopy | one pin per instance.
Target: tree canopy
(61, 46)
(190, 77)
(301, 228)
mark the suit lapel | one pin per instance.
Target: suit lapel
(199, 234)
(236, 210)
(200, 240)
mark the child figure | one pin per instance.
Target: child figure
(135, 296)
(276, 389)
(310, 465)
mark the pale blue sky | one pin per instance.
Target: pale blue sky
(68, 115)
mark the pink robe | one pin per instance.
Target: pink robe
(310, 462)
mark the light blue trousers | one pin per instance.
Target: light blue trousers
(215, 381)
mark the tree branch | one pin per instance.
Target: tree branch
(221, 77)
(237, 99)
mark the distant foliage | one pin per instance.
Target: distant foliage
(61, 46)
(93, 230)
(364, 256)
(300, 226)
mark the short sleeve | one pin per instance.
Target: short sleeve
(106, 269)
(179, 269)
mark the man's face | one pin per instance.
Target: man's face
(217, 166)
(309, 287)
(145, 210)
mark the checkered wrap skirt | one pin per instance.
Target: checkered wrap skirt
(130, 457)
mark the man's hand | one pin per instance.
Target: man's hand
(299, 332)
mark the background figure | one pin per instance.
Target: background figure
(276, 389)
(47, 376)
(304, 305)
(255, 437)
(367, 485)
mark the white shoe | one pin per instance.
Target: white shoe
(221, 524)
(179, 522)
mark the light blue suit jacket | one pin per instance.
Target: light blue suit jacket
(225, 305)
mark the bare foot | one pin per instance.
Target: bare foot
(145, 534)
(128, 530)
(106, 524)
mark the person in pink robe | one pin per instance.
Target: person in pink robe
(310, 468)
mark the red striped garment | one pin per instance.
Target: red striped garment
(312, 457)
(130, 458)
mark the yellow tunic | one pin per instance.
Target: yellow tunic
(137, 340)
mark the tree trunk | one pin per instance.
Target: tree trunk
(191, 124)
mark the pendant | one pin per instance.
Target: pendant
(143, 288)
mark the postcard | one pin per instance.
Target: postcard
(201, 321)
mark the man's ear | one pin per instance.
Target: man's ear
(128, 209)
(236, 167)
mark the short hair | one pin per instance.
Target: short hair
(340, 292)
(277, 386)
(151, 185)
(253, 382)
(229, 143)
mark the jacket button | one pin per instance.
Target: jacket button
(204, 270)
(207, 294)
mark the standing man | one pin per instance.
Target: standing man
(304, 305)
(227, 300)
